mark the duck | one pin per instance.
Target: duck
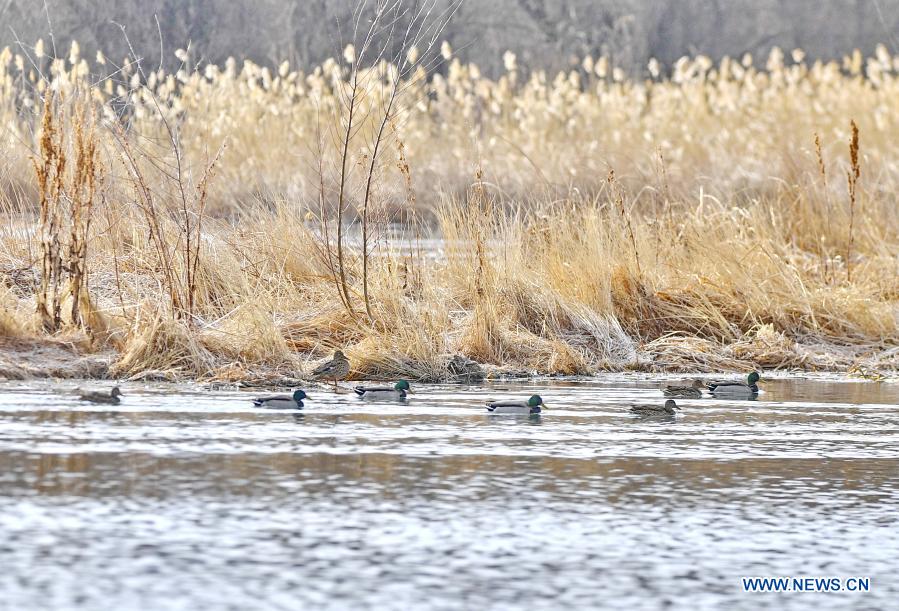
(397, 391)
(98, 396)
(668, 409)
(338, 368)
(693, 391)
(749, 389)
(294, 401)
(531, 407)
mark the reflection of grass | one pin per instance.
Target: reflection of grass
(399, 476)
(719, 242)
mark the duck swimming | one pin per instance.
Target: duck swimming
(98, 396)
(669, 409)
(747, 390)
(523, 408)
(395, 392)
(294, 401)
(693, 391)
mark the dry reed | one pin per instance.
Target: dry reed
(725, 257)
(66, 195)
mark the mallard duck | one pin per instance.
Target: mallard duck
(530, 407)
(397, 391)
(656, 410)
(338, 368)
(748, 389)
(693, 391)
(99, 396)
(294, 401)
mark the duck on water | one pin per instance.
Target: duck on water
(531, 407)
(294, 401)
(669, 409)
(692, 391)
(736, 389)
(113, 397)
(396, 392)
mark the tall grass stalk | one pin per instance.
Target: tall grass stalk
(852, 177)
(556, 269)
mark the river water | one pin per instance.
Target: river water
(183, 498)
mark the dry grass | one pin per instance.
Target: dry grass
(587, 223)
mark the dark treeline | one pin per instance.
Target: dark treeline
(543, 33)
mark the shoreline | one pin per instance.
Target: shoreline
(23, 359)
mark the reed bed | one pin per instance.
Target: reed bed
(720, 217)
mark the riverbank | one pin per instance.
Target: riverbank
(569, 289)
(556, 290)
(24, 359)
(727, 218)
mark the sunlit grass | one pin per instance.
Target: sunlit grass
(695, 221)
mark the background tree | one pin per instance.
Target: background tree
(547, 34)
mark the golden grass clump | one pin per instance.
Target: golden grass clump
(249, 335)
(164, 347)
(563, 223)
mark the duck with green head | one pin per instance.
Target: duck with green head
(669, 409)
(396, 392)
(748, 389)
(294, 401)
(531, 407)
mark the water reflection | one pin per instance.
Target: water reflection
(165, 502)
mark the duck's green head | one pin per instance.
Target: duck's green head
(298, 395)
(402, 386)
(753, 378)
(115, 392)
(536, 401)
(671, 404)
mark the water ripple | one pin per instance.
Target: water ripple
(182, 498)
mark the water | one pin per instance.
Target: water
(188, 499)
